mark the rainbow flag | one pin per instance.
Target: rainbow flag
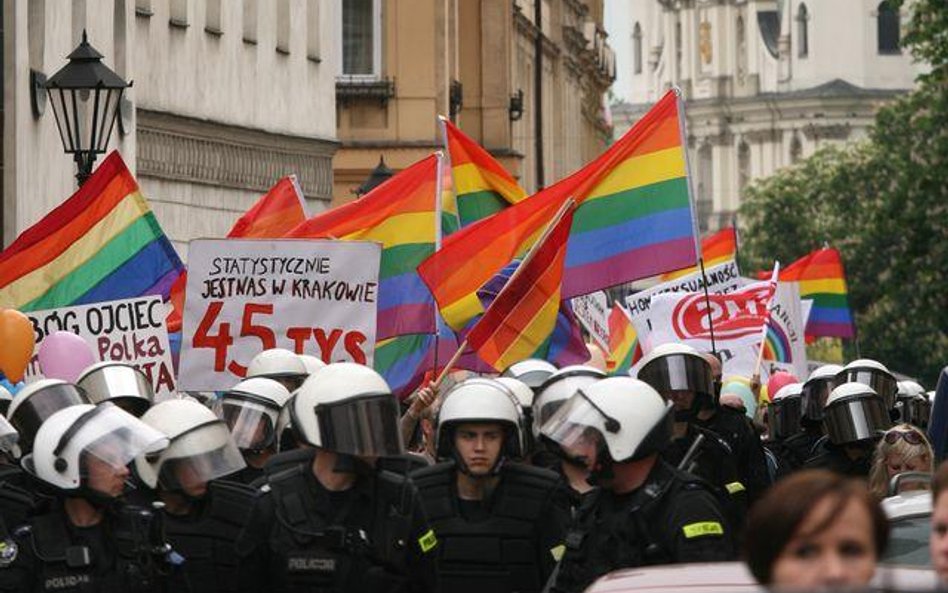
(522, 317)
(401, 215)
(482, 187)
(624, 347)
(633, 220)
(821, 278)
(715, 249)
(101, 244)
(274, 214)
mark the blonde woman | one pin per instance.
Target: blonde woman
(903, 448)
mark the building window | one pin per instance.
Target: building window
(250, 21)
(796, 150)
(741, 50)
(637, 48)
(888, 25)
(283, 26)
(803, 35)
(212, 17)
(361, 38)
(178, 13)
(312, 30)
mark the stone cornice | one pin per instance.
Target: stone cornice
(192, 150)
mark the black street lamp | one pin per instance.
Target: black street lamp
(85, 95)
(379, 175)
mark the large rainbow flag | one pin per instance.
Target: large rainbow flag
(715, 249)
(482, 187)
(401, 215)
(521, 318)
(101, 244)
(624, 347)
(821, 277)
(633, 220)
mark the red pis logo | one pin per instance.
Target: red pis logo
(736, 315)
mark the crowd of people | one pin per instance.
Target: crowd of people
(311, 477)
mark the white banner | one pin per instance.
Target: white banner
(722, 279)
(245, 296)
(785, 349)
(131, 331)
(592, 310)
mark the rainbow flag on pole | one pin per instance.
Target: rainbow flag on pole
(101, 244)
(482, 187)
(634, 219)
(821, 277)
(715, 249)
(522, 317)
(624, 347)
(401, 215)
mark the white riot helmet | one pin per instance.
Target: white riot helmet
(785, 411)
(520, 390)
(119, 383)
(874, 374)
(202, 448)
(348, 408)
(854, 412)
(480, 400)
(558, 388)
(8, 438)
(38, 401)
(672, 368)
(311, 363)
(533, 372)
(279, 364)
(251, 409)
(73, 437)
(6, 398)
(816, 391)
(624, 418)
(912, 404)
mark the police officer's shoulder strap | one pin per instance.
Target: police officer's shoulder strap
(287, 488)
(47, 535)
(714, 439)
(435, 485)
(14, 497)
(526, 490)
(231, 502)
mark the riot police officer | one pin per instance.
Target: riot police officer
(783, 423)
(118, 383)
(646, 511)
(855, 417)
(88, 540)
(337, 523)
(280, 365)
(252, 410)
(816, 390)
(204, 516)
(681, 375)
(499, 523)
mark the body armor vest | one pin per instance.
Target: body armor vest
(500, 553)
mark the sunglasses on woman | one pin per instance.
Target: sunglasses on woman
(911, 437)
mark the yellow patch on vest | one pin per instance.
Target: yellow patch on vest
(557, 552)
(702, 529)
(428, 541)
(734, 487)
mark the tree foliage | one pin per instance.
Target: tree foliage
(883, 202)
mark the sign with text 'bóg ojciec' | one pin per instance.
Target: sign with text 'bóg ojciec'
(132, 331)
(245, 296)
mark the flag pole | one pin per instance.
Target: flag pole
(439, 155)
(567, 205)
(707, 304)
(763, 329)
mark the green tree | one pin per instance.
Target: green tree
(883, 203)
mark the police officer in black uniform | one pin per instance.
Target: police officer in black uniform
(783, 423)
(337, 523)
(800, 447)
(646, 511)
(683, 376)
(204, 516)
(499, 523)
(855, 417)
(88, 540)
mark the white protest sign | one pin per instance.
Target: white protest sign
(245, 296)
(722, 279)
(592, 310)
(785, 349)
(131, 331)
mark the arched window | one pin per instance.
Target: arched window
(803, 35)
(888, 26)
(637, 48)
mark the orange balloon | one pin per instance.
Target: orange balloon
(16, 343)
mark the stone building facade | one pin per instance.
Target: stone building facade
(766, 82)
(404, 62)
(228, 96)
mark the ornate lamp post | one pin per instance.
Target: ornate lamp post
(85, 96)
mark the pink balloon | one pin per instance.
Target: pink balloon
(64, 355)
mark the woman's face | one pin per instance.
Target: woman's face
(842, 554)
(938, 541)
(895, 464)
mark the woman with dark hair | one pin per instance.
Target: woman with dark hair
(815, 529)
(938, 542)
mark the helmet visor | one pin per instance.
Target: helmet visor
(814, 396)
(783, 417)
(119, 382)
(881, 382)
(366, 426)
(915, 411)
(199, 456)
(253, 425)
(31, 413)
(679, 372)
(110, 435)
(856, 419)
(576, 427)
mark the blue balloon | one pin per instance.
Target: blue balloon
(11, 387)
